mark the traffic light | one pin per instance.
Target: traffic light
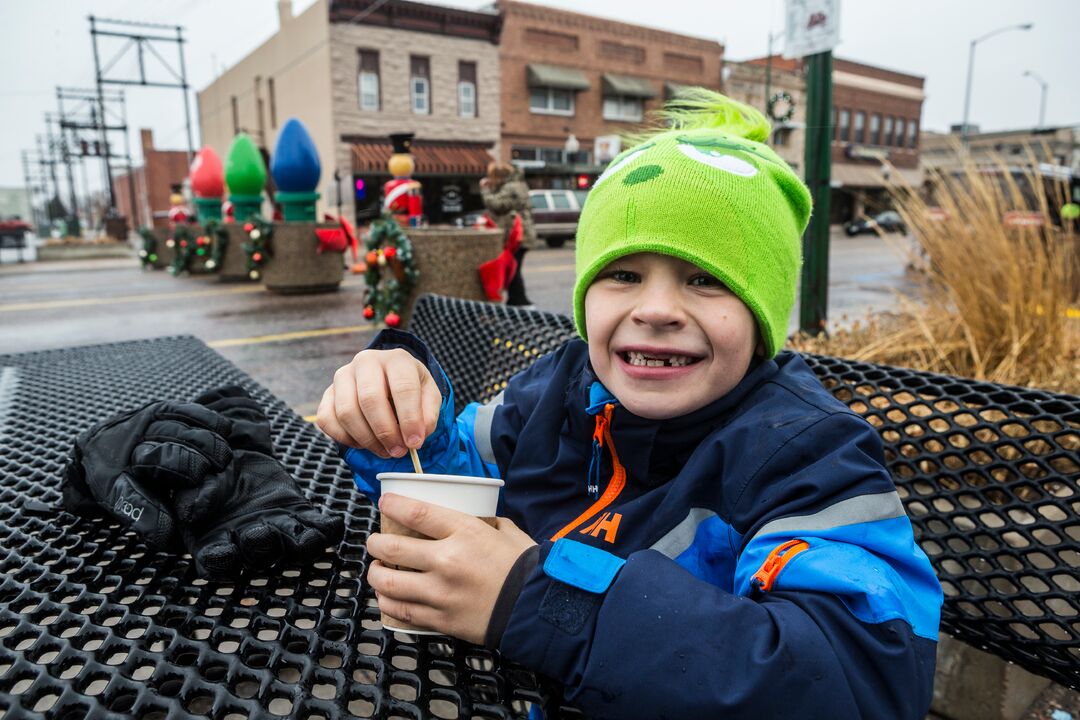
(361, 189)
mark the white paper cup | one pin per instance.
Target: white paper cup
(477, 496)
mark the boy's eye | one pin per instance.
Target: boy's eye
(705, 280)
(719, 160)
(621, 276)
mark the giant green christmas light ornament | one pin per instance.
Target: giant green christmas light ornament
(245, 174)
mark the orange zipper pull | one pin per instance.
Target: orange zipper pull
(780, 556)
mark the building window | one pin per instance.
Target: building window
(888, 130)
(912, 133)
(551, 101)
(782, 137)
(273, 103)
(368, 83)
(420, 84)
(623, 107)
(466, 89)
(845, 125)
(860, 127)
(875, 129)
(899, 132)
(235, 116)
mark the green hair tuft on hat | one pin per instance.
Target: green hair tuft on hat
(705, 189)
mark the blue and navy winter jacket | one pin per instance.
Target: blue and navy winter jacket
(750, 559)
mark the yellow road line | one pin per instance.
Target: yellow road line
(298, 335)
(82, 302)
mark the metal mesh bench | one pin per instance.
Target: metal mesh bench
(93, 624)
(989, 475)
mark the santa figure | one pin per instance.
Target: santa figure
(401, 195)
(179, 212)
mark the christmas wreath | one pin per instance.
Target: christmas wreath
(257, 246)
(219, 243)
(148, 255)
(391, 273)
(183, 243)
(788, 106)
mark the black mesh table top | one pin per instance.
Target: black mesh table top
(989, 475)
(94, 624)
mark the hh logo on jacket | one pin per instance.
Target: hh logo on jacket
(608, 523)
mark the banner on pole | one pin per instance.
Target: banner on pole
(813, 26)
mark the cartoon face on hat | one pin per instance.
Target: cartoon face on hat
(726, 203)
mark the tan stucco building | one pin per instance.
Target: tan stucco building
(356, 71)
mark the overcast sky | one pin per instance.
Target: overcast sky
(47, 43)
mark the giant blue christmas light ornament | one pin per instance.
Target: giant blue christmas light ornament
(296, 169)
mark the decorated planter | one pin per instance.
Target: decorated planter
(160, 253)
(447, 260)
(233, 266)
(293, 262)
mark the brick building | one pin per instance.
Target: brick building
(876, 118)
(754, 85)
(161, 171)
(571, 79)
(355, 71)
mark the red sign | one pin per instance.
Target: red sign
(1023, 218)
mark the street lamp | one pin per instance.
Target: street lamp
(971, 64)
(1042, 101)
(571, 146)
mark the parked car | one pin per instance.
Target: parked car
(887, 221)
(556, 213)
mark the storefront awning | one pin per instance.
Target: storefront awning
(432, 158)
(871, 176)
(556, 76)
(628, 85)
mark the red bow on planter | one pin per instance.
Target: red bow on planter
(495, 274)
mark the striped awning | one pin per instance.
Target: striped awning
(628, 85)
(431, 158)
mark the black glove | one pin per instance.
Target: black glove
(126, 467)
(259, 516)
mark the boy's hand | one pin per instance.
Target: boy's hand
(384, 401)
(459, 573)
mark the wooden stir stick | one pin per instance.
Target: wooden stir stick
(415, 461)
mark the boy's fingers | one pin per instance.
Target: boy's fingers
(328, 422)
(403, 379)
(432, 399)
(400, 585)
(373, 397)
(408, 552)
(432, 520)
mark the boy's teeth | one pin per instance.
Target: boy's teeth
(640, 359)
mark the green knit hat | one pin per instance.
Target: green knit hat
(707, 190)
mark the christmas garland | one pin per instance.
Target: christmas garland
(387, 293)
(257, 246)
(183, 243)
(782, 97)
(148, 255)
(220, 243)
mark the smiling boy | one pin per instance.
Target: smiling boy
(691, 525)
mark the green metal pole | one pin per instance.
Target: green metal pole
(813, 301)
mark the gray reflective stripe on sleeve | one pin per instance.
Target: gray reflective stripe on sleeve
(682, 535)
(482, 428)
(860, 509)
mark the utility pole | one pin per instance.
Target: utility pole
(814, 301)
(144, 38)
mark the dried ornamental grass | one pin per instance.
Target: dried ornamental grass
(994, 300)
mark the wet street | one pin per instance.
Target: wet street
(293, 344)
